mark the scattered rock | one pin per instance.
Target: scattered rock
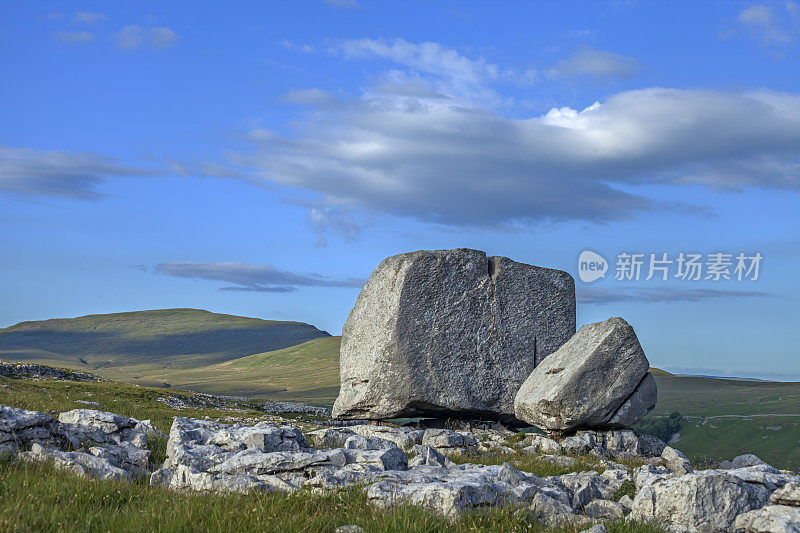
(742, 461)
(676, 461)
(586, 382)
(770, 519)
(16, 370)
(789, 494)
(701, 501)
(604, 509)
(83, 464)
(431, 332)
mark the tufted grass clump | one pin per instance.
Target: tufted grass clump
(514, 440)
(37, 497)
(628, 488)
(532, 464)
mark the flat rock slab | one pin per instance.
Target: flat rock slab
(597, 379)
(450, 333)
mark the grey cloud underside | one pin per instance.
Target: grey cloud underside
(249, 277)
(450, 164)
(58, 173)
(658, 294)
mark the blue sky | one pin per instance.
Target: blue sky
(262, 158)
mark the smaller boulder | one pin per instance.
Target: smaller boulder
(597, 379)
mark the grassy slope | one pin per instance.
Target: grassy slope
(307, 372)
(141, 345)
(776, 439)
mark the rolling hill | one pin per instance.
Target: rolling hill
(308, 372)
(143, 344)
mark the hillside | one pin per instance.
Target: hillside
(306, 372)
(142, 344)
(727, 417)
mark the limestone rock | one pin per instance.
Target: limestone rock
(431, 332)
(704, 501)
(360, 442)
(404, 437)
(83, 464)
(604, 509)
(443, 439)
(429, 456)
(789, 494)
(770, 519)
(676, 461)
(597, 379)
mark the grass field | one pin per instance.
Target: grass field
(37, 497)
(719, 422)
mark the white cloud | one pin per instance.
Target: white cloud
(74, 37)
(772, 26)
(297, 47)
(435, 160)
(136, 37)
(589, 62)
(58, 173)
(436, 69)
(427, 57)
(89, 18)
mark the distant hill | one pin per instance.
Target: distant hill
(144, 343)
(658, 372)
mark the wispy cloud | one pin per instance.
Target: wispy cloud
(74, 36)
(658, 294)
(345, 4)
(589, 62)
(58, 173)
(89, 18)
(249, 277)
(772, 26)
(137, 37)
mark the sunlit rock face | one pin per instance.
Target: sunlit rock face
(450, 333)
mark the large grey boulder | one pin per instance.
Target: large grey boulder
(450, 333)
(598, 379)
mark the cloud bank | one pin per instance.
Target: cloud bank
(441, 160)
(249, 277)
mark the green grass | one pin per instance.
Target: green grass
(36, 497)
(308, 372)
(53, 397)
(776, 439)
(532, 464)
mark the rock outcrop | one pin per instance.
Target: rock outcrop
(597, 379)
(450, 333)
